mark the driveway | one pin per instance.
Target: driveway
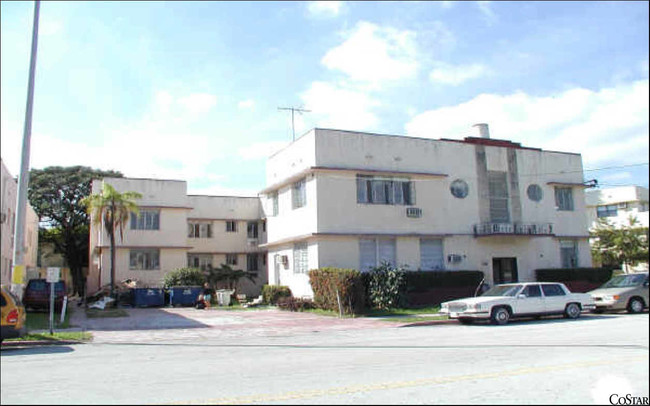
(145, 325)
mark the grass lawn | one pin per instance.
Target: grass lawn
(41, 321)
(399, 315)
(57, 336)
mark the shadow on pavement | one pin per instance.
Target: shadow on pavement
(50, 349)
(150, 318)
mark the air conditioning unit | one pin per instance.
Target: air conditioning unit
(284, 259)
(252, 242)
(414, 212)
(454, 258)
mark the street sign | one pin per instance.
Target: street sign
(53, 274)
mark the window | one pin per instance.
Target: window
(274, 204)
(144, 259)
(299, 194)
(146, 220)
(644, 207)
(377, 190)
(498, 189)
(231, 259)
(199, 230)
(252, 229)
(609, 210)
(300, 258)
(374, 251)
(553, 290)
(252, 262)
(263, 226)
(532, 291)
(564, 198)
(199, 261)
(459, 188)
(569, 253)
(431, 256)
(231, 226)
(534, 193)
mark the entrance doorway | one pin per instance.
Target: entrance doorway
(504, 270)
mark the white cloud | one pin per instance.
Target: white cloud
(198, 103)
(488, 14)
(457, 74)
(373, 54)
(246, 104)
(325, 8)
(447, 4)
(261, 150)
(609, 125)
(334, 106)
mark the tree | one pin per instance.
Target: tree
(625, 245)
(113, 209)
(55, 193)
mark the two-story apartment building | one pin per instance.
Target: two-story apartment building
(617, 205)
(175, 230)
(352, 200)
(8, 224)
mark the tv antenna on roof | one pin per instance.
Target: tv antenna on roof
(294, 109)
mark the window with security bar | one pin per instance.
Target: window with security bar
(383, 190)
(199, 230)
(146, 220)
(564, 198)
(144, 259)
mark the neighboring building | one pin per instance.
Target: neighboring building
(617, 205)
(175, 230)
(8, 224)
(351, 199)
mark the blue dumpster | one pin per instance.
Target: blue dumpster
(148, 297)
(184, 295)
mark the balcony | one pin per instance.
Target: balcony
(484, 229)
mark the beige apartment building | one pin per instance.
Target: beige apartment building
(352, 199)
(175, 230)
(7, 228)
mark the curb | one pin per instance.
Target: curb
(39, 342)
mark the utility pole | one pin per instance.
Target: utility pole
(294, 109)
(18, 270)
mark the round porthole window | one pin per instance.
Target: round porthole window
(534, 193)
(459, 188)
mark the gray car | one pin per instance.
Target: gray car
(623, 292)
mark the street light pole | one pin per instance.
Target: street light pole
(18, 271)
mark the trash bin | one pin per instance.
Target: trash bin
(223, 297)
(184, 295)
(148, 297)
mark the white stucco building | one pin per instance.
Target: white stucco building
(175, 230)
(617, 205)
(351, 199)
(8, 224)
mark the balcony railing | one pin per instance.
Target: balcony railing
(513, 229)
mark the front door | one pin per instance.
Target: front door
(504, 270)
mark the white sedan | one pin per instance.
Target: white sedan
(503, 302)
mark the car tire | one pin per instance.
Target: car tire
(635, 305)
(572, 311)
(500, 316)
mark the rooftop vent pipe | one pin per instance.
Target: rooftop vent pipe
(483, 130)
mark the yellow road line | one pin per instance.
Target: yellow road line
(344, 390)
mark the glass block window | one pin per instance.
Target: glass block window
(300, 258)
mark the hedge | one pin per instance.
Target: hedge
(326, 282)
(272, 293)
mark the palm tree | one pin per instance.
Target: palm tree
(113, 209)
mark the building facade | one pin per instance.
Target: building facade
(8, 225)
(617, 205)
(175, 230)
(352, 200)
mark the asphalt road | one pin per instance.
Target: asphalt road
(551, 361)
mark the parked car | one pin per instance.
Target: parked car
(503, 302)
(623, 292)
(37, 294)
(13, 315)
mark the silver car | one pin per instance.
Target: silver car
(623, 292)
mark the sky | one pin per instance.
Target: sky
(192, 90)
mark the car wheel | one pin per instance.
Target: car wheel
(500, 316)
(572, 311)
(635, 305)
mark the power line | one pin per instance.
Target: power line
(616, 167)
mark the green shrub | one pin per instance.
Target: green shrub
(295, 304)
(184, 277)
(386, 286)
(594, 275)
(271, 293)
(348, 283)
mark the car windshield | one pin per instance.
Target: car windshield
(503, 290)
(623, 281)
